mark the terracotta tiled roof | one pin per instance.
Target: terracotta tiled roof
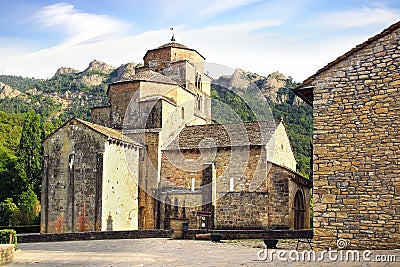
(227, 135)
(111, 133)
(359, 47)
(149, 76)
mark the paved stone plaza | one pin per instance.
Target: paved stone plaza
(161, 252)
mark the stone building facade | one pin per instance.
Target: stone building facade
(86, 184)
(356, 103)
(152, 155)
(240, 177)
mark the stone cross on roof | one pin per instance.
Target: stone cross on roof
(173, 35)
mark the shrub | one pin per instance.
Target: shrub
(8, 236)
(8, 212)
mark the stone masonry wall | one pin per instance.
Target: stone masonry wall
(70, 178)
(294, 187)
(356, 148)
(278, 188)
(242, 210)
(229, 162)
(101, 116)
(282, 153)
(148, 183)
(119, 96)
(257, 200)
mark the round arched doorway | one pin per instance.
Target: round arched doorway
(299, 210)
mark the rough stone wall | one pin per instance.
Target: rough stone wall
(101, 116)
(263, 209)
(157, 59)
(189, 55)
(294, 187)
(148, 185)
(70, 178)
(183, 205)
(120, 208)
(278, 188)
(356, 148)
(149, 89)
(119, 96)
(270, 200)
(178, 72)
(282, 153)
(175, 117)
(178, 169)
(242, 210)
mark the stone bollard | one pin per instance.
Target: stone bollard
(6, 253)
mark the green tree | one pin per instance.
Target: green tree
(29, 207)
(8, 212)
(12, 176)
(30, 149)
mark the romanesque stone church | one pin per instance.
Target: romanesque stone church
(153, 155)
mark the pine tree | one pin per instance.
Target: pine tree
(30, 149)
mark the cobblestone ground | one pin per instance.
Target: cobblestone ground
(166, 252)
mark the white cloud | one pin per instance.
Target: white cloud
(357, 17)
(195, 11)
(261, 46)
(78, 26)
(217, 6)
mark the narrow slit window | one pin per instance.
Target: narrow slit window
(232, 184)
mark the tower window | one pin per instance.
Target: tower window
(183, 113)
(198, 81)
(198, 102)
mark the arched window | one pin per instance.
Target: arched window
(198, 102)
(299, 210)
(183, 113)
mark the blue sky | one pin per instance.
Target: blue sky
(294, 37)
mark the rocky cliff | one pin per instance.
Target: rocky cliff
(7, 91)
(275, 87)
(99, 66)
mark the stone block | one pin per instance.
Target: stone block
(328, 199)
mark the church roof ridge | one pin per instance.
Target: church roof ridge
(174, 44)
(109, 132)
(223, 135)
(149, 76)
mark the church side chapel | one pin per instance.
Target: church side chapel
(153, 155)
